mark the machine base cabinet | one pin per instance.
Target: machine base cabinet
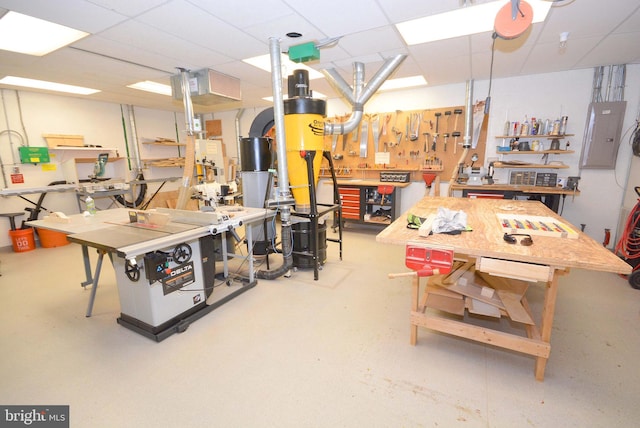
(164, 288)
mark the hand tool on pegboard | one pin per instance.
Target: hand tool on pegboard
(448, 115)
(457, 112)
(435, 135)
(406, 132)
(446, 137)
(395, 129)
(375, 124)
(416, 118)
(455, 135)
(426, 141)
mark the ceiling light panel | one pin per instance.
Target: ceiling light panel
(461, 22)
(263, 62)
(32, 36)
(149, 86)
(50, 86)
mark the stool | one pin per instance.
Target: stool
(384, 190)
(12, 218)
(424, 261)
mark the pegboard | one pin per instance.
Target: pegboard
(411, 140)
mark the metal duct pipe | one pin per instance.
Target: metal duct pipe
(378, 79)
(468, 129)
(186, 100)
(135, 148)
(358, 81)
(278, 117)
(468, 115)
(283, 193)
(238, 134)
(338, 83)
(361, 94)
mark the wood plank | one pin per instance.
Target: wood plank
(468, 285)
(516, 270)
(480, 308)
(514, 308)
(480, 334)
(447, 304)
(514, 286)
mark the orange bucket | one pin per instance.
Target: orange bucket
(22, 240)
(52, 239)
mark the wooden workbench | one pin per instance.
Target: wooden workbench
(484, 251)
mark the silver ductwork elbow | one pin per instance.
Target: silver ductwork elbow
(360, 93)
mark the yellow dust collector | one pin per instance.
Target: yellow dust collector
(302, 114)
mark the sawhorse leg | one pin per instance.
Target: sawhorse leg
(91, 279)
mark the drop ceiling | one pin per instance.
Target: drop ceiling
(135, 40)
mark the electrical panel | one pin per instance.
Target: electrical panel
(602, 135)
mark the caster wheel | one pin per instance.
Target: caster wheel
(634, 279)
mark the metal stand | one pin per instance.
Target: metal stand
(314, 214)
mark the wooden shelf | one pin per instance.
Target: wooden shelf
(529, 165)
(164, 162)
(551, 137)
(93, 160)
(167, 144)
(535, 152)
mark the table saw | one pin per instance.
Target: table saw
(165, 260)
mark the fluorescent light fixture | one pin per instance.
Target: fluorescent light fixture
(403, 82)
(315, 94)
(33, 36)
(50, 86)
(462, 22)
(149, 86)
(263, 62)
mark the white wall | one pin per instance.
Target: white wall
(545, 95)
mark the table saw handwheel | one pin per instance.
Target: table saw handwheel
(182, 253)
(132, 271)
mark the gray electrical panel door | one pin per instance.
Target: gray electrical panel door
(602, 135)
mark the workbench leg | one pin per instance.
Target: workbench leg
(415, 296)
(548, 310)
(87, 266)
(249, 236)
(225, 255)
(96, 278)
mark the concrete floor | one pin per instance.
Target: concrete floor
(295, 352)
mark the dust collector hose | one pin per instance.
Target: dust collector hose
(287, 255)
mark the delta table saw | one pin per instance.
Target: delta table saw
(165, 260)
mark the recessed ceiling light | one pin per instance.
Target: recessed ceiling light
(462, 22)
(33, 36)
(294, 34)
(50, 86)
(263, 62)
(149, 86)
(403, 82)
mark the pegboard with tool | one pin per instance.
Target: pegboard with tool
(415, 141)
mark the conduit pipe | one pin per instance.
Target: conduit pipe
(360, 93)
